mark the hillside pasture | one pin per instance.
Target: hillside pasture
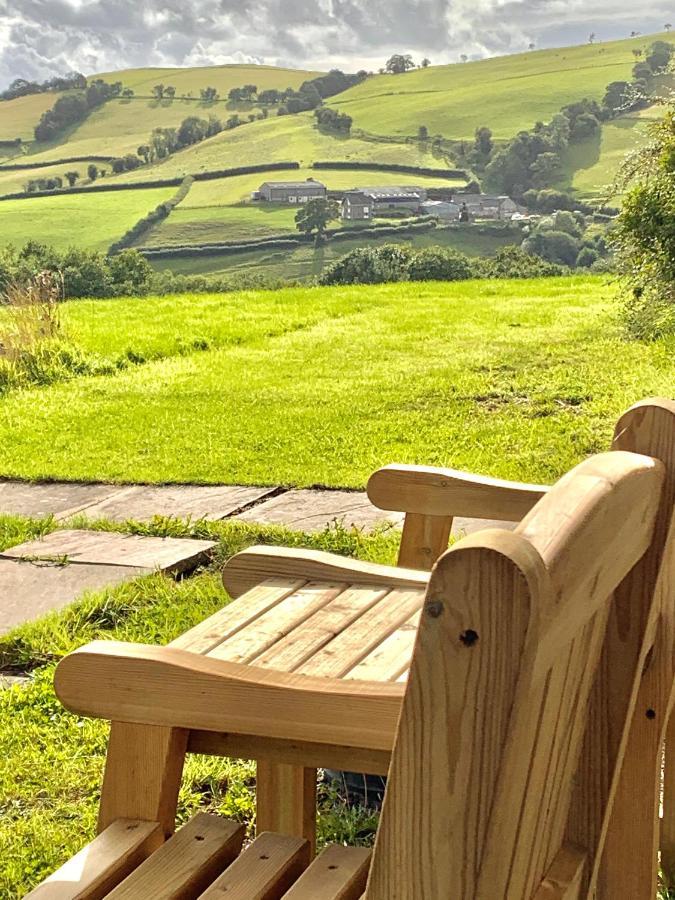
(506, 93)
(515, 379)
(89, 221)
(19, 117)
(14, 181)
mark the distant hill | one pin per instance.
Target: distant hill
(507, 93)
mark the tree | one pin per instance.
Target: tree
(423, 133)
(128, 93)
(425, 63)
(92, 171)
(531, 46)
(71, 177)
(464, 58)
(209, 94)
(591, 37)
(144, 150)
(313, 217)
(399, 63)
(158, 91)
(667, 26)
(170, 92)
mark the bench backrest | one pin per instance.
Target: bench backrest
(495, 756)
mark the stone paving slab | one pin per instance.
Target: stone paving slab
(8, 681)
(102, 548)
(61, 499)
(142, 502)
(29, 590)
(307, 510)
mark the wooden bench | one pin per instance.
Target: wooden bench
(525, 743)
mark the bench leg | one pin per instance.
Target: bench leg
(143, 772)
(286, 800)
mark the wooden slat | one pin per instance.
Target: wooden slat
(264, 871)
(328, 756)
(563, 879)
(338, 873)
(103, 863)
(423, 540)
(431, 491)
(308, 638)
(390, 659)
(286, 800)
(250, 567)
(187, 863)
(356, 641)
(225, 623)
(276, 623)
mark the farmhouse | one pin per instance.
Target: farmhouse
(484, 206)
(364, 203)
(290, 191)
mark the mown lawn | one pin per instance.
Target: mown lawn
(321, 386)
(51, 761)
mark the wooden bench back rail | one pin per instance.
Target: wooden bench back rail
(490, 738)
(432, 497)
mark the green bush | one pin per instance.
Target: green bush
(369, 265)
(555, 246)
(587, 256)
(514, 262)
(439, 264)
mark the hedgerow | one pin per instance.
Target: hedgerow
(152, 218)
(390, 167)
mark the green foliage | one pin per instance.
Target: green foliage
(440, 264)
(152, 218)
(399, 63)
(313, 217)
(369, 265)
(555, 246)
(645, 235)
(515, 262)
(332, 120)
(73, 108)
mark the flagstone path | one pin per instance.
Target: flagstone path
(49, 573)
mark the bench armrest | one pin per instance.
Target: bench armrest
(432, 491)
(250, 567)
(150, 685)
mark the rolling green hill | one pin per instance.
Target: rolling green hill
(506, 93)
(19, 117)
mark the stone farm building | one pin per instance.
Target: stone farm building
(290, 191)
(484, 206)
(365, 203)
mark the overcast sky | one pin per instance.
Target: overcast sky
(39, 38)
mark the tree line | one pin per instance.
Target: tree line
(74, 108)
(21, 87)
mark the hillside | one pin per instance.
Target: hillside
(506, 93)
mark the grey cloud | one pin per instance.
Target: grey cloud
(41, 37)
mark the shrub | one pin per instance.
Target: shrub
(439, 264)
(369, 265)
(586, 257)
(514, 262)
(555, 246)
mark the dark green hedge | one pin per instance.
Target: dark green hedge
(160, 212)
(17, 167)
(390, 167)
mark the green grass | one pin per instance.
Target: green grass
(506, 93)
(513, 379)
(304, 262)
(19, 117)
(52, 761)
(91, 221)
(11, 182)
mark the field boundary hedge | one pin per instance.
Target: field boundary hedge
(390, 167)
(152, 218)
(152, 183)
(18, 167)
(279, 241)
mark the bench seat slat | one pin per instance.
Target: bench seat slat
(187, 863)
(390, 659)
(264, 871)
(338, 873)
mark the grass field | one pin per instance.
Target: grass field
(514, 379)
(11, 182)
(19, 117)
(91, 221)
(306, 261)
(506, 93)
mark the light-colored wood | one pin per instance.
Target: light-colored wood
(338, 873)
(228, 621)
(143, 770)
(287, 654)
(277, 622)
(563, 879)
(391, 658)
(423, 540)
(187, 863)
(264, 871)
(251, 567)
(353, 644)
(103, 863)
(286, 800)
(163, 686)
(431, 491)
(478, 797)
(640, 638)
(329, 756)
(667, 825)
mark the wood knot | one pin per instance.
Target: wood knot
(434, 608)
